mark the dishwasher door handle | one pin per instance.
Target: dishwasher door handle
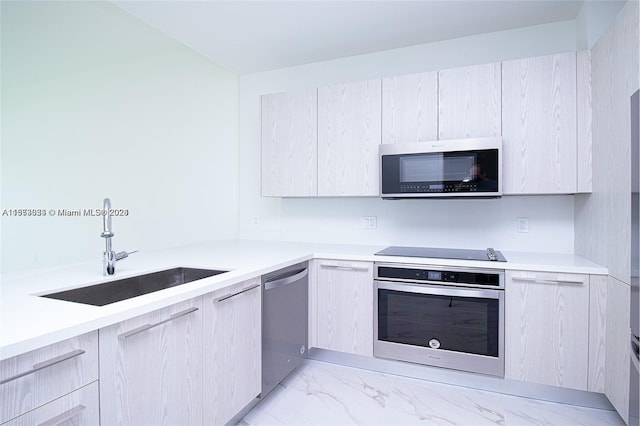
(269, 285)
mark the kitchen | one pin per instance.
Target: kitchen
(144, 109)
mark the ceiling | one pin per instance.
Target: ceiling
(253, 36)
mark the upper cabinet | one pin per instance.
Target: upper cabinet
(539, 125)
(410, 108)
(584, 121)
(450, 104)
(349, 133)
(289, 144)
(469, 102)
(325, 142)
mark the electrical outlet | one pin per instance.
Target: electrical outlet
(368, 222)
(523, 224)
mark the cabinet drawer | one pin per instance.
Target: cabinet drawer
(40, 376)
(79, 408)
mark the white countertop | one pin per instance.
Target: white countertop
(28, 322)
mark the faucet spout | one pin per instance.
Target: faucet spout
(106, 219)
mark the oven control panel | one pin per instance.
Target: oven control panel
(427, 274)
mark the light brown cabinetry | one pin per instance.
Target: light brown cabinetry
(232, 342)
(540, 106)
(547, 328)
(344, 306)
(584, 117)
(469, 102)
(410, 108)
(349, 133)
(617, 357)
(539, 125)
(290, 144)
(609, 339)
(78, 408)
(151, 368)
(36, 378)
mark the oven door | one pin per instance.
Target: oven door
(458, 328)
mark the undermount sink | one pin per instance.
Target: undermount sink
(127, 288)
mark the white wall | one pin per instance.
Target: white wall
(155, 133)
(594, 19)
(450, 223)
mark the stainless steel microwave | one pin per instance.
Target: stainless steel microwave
(446, 168)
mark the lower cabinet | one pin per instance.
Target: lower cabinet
(151, 368)
(232, 344)
(33, 385)
(343, 311)
(617, 356)
(547, 328)
(78, 408)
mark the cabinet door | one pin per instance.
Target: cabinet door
(469, 102)
(290, 144)
(597, 332)
(345, 307)
(410, 108)
(232, 342)
(349, 133)
(617, 357)
(584, 119)
(547, 328)
(539, 125)
(78, 408)
(151, 368)
(40, 376)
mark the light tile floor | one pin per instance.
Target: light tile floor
(328, 394)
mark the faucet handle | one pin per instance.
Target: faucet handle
(121, 255)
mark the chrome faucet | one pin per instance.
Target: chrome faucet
(109, 257)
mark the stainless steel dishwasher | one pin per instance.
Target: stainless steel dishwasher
(284, 323)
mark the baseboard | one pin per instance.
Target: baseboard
(465, 379)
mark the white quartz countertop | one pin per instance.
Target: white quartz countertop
(28, 322)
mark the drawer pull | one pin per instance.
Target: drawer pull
(220, 299)
(543, 281)
(42, 365)
(346, 268)
(146, 327)
(67, 415)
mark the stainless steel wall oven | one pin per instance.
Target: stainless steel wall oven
(442, 316)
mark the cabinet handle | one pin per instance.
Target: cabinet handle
(635, 359)
(146, 327)
(346, 268)
(544, 281)
(42, 365)
(281, 282)
(220, 299)
(67, 415)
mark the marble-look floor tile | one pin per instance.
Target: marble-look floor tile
(328, 394)
(529, 412)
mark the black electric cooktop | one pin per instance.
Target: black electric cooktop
(444, 253)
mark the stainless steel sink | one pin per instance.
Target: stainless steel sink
(126, 288)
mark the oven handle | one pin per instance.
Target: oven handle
(442, 290)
